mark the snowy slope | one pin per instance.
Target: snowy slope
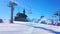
(28, 28)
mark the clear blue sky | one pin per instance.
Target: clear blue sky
(38, 8)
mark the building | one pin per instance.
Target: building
(21, 16)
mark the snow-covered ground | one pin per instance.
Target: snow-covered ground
(28, 28)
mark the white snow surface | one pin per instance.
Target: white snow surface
(28, 28)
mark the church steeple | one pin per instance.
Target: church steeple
(23, 11)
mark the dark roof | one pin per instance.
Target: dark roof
(21, 15)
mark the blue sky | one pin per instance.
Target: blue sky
(38, 8)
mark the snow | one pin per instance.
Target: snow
(15, 29)
(28, 28)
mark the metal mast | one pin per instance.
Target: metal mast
(58, 14)
(11, 5)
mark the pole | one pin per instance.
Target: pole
(11, 5)
(12, 9)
